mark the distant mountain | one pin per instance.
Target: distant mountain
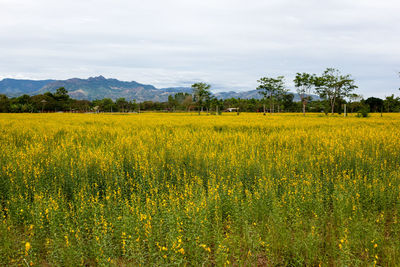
(242, 95)
(90, 89)
(188, 90)
(254, 94)
(100, 87)
(14, 87)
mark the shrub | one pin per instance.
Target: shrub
(363, 112)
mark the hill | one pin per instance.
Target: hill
(15, 87)
(100, 87)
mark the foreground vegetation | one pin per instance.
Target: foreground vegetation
(159, 189)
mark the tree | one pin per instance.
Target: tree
(304, 82)
(105, 105)
(375, 104)
(271, 88)
(4, 103)
(392, 104)
(122, 104)
(177, 101)
(50, 102)
(23, 100)
(21, 104)
(208, 101)
(188, 102)
(133, 105)
(62, 98)
(171, 102)
(80, 105)
(353, 99)
(332, 85)
(287, 101)
(201, 94)
(61, 93)
(217, 104)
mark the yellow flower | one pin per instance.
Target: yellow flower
(27, 247)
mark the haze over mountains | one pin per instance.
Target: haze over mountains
(100, 87)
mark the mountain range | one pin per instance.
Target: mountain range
(100, 87)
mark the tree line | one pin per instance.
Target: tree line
(335, 92)
(334, 89)
(331, 86)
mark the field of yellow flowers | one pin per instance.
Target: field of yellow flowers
(182, 189)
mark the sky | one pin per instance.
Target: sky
(229, 44)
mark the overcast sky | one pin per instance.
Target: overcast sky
(227, 43)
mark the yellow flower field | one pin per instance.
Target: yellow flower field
(182, 189)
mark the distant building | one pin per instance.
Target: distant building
(232, 110)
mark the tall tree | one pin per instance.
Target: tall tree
(188, 102)
(271, 88)
(286, 100)
(352, 99)
(107, 105)
(217, 104)
(392, 104)
(121, 104)
(375, 104)
(62, 98)
(333, 85)
(201, 93)
(4, 103)
(304, 82)
(171, 103)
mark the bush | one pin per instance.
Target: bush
(363, 112)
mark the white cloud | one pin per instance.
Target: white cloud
(227, 43)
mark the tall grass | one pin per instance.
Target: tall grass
(160, 189)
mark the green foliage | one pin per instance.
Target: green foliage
(122, 104)
(392, 104)
(201, 94)
(375, 104)
(304, 82)
(363, 111)
(332, 85)
(272, 89)
(61, 93)
(4, 103)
